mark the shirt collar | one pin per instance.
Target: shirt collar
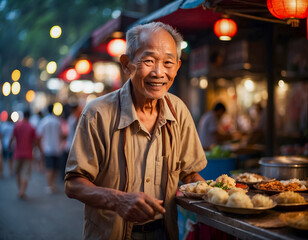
(128, 113)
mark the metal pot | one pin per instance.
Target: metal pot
(284, 167)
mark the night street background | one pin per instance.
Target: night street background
(40, 216)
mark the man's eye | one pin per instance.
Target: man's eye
(148, 61)
(169, 63)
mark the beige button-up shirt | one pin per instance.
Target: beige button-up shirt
(105, 150)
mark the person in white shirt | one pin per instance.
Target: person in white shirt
(50, 134)
(208, 128)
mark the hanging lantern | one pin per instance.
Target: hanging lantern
(116, 47)
(83, 66)
(292, 10)
(225, 29)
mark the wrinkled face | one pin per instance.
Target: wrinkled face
(154, 66)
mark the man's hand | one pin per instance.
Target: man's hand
(138, 207)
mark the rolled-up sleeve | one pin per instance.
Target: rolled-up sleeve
(192, 155)
(86, 152)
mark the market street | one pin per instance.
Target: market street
(40, 216)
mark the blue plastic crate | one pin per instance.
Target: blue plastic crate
(218, 166)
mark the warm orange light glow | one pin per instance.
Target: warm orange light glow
(116, 47)
(83, 66)
(288, 8)
(30, 95)
(225, 29)
(15, 75)
(71, 74)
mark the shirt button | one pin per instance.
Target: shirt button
(148, 180)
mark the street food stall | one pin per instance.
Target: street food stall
(253, 69)
(248, 206)
(260, 66)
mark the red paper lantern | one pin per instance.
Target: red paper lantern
(225, 29)
(83, 66)
(288, 9)
(116, 47)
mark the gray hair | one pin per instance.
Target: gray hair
(133, 34)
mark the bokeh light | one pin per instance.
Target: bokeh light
(249, 85)
(15, 88)
(203, 83)
(99, 87)
(4, 116)
(27, 61)
(57, 109)
(30, 95)
(51, 67)
(71, 74)
(6, 89)
(15, 75)
(83, 66)
(55, 31)
(44, 75)
(184, 44)
(116, 47)
(15, 116)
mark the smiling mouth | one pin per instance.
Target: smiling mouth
(156, 84)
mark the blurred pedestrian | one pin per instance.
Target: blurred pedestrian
(71, 125)
(6, 131)
(39, 163)
(50, 134)
(208, 127)
(25, 139)
(132, 146)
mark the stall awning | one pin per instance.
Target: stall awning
(188, 16)
(192, 16)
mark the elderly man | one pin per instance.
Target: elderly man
(132, 146)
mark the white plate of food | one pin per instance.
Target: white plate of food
(251, 178)
(199, 189)
(291, 200)
(239, 202)
(237, 210)
(194, 190)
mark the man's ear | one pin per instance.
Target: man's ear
(124, 60)
(179, 64)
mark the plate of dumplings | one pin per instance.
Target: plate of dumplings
(238, 201)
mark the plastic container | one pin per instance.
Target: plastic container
(218, 166)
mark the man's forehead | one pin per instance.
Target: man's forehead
(148, 35)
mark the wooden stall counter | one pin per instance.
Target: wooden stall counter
(264, 225)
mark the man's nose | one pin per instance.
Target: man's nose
(158, 69)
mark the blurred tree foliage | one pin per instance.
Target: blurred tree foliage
(25, 26)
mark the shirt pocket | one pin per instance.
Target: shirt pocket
(158, 169)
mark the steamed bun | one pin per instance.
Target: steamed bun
(260, 200)
(235, 190)
(239, 200)
(202, 187)
(217, 196)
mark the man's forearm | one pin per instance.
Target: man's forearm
(193, 177)
(85, 191)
